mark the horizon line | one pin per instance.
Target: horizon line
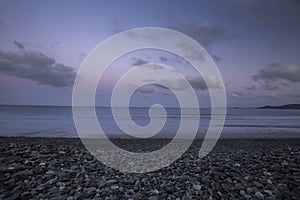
(102, 106)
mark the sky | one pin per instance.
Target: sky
(254, 43)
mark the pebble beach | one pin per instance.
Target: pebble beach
(62, 168)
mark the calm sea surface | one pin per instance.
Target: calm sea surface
(51, 121)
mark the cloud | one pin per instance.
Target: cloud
(36, 66)
(206, 34)
(196, 82)
(270, 95)
(274, 72)
(275, 76)
(216, 58)
(153, 89)
(164, 59)
(237, 94)
(138, 61)
(251, 88)
(294, 95)
(82, 56)
(19, 45)
(146, 90)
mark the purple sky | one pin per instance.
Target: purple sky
(255, 44)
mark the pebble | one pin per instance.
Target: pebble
(242, 192)
(258, 184)
(50, 172)
(249, 190)
(26, 195)
(114, 187)
(259, 195)
(197, 187)
(267, 173)
(152, 198)
(269, 192)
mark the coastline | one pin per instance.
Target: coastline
(61, 168)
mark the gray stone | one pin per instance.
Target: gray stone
(239, 186)
(259, 195)
(26, 195)
(242, 192)
(269, 192)
(197, 187)
(152, 198)
(114, 187)
(258, 184)
(249, 190)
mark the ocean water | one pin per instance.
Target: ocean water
(51, 121)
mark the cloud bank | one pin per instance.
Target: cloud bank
(275, 72)
(36, 66)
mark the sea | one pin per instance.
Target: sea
(57, 121)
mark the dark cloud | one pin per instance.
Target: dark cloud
(206, 34)
(216, 58)
(275, 72)
(146, 90)
(160, 86)
(251, 88)
(138, 61)
(197, 83)
(82, 56)
(164, 59)
(228, 83)
(36, 66)
(153, 88)
(270, 85)
(19, 45)
(294, 95)
(275, 76)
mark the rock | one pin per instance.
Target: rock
(197, 187)
(62, 152)
(239, 186)
(236, 164)
(269, 182)
(284, 163)
(242, 192)
(267, 173)
(111, 181)
(26, 195)
(91, 191)
(269, 192)
(258, 184)
(114, 187)
(259, 195)
(152, 198)
(249, 190)
(50, 172)
(137, 196)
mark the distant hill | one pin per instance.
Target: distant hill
(287, 106)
